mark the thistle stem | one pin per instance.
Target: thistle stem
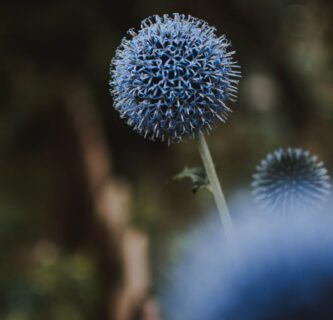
(215, 185)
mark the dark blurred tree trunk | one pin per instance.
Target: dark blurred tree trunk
(109, 199)
(122, 252)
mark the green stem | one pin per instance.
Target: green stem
(215, 185)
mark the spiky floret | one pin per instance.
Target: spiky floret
(290, 181)
(173, 77)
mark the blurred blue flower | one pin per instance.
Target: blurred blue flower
(173, 77)
(276, 271)
(290, 181)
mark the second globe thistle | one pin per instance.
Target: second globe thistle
(290, 181)
(173, 77)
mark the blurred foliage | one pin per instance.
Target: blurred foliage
(48, 47)
(56, 288)
(37, 279)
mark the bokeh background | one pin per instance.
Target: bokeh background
(90, 217)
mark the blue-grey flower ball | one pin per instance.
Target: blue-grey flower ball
(290, 181)
(274, 271)
(173, 77)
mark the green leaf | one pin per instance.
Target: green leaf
(197, 175)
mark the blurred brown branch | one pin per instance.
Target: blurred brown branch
(123, 251)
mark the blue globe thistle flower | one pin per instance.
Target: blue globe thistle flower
(289, 277)
(276, 271)
(173, 77)
(290, 181)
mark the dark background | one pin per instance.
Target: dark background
(54, 70)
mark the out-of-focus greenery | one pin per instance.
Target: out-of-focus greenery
(38, 280)
(48, 268)
(61, 289)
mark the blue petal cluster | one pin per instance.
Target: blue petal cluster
(290, 181)
(173, 77)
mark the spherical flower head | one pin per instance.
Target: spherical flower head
(173, 77)
(290, 181)
(272, 271)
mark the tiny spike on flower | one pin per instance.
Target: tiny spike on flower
(172, 78)
(290, 181)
